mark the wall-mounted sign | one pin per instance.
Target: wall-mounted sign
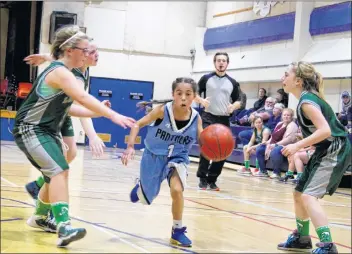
(136, 96)
(105, 93)
(105, 137)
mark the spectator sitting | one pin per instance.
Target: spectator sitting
(265, 113)
(262, 98)
(257, 105)
(260, 135)
(282, 97)
(275, 117)
(283, 134)
(345, 105)
(297, 161)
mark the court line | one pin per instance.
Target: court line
(190, 214)
(344, 194)
(114, 199)
(267, 200)
(113, 229)
(71, 178)
(116, 236)
(284, 217)
(265, 179)
(171, 246)
(137, 236)
(292, 185)
(12, 219)
(9, 182)
(16, 206)
(158, 213)
(337, 225)
(341, 224)
(248, 202)
(258, 220)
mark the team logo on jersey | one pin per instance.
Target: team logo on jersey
(180, 139)
(168, 125)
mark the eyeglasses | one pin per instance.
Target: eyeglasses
(93, 52)
(85, 50)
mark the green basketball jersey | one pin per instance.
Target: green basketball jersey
(307, 127)
(82, 76)
(45, 107)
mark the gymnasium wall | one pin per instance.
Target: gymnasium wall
(282, 7)
(48, 8)
(148, 41)
(260, 60)
(151, 41)
(4, 16)
(214, 8)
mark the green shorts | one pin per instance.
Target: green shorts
(43, 150)
(67, 128)
(325, 169)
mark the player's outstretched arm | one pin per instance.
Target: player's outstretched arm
(157, 112)
(38, 59)
(79, 111)
(63, 79)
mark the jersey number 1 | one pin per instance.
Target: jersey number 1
(171, 149)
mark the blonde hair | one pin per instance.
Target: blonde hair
(291, 111)
(312, 80)
(66, 37)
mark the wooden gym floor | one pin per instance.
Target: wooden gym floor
(248, 214)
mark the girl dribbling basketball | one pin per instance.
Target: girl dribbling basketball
(173, 129)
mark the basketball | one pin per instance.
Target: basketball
(216, 142)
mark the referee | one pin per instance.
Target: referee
(221, 96)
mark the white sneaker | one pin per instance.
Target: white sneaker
(274, 175)
(43, 222)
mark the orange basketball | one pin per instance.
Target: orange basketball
(216, 142)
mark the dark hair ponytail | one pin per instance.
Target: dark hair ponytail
(144, 104)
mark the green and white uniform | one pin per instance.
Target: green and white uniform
(38, 124)
(332, 156)
(67, 127)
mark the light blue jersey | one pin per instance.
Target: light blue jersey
(165, 139)
(166, 150)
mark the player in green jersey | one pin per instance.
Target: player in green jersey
(38, 124)
(82, 74)
(70, 148)
(325, 168)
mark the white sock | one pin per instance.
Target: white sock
(177, 224)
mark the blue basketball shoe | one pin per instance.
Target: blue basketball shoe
(179, 238)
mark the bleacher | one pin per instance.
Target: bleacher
(237, 155)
